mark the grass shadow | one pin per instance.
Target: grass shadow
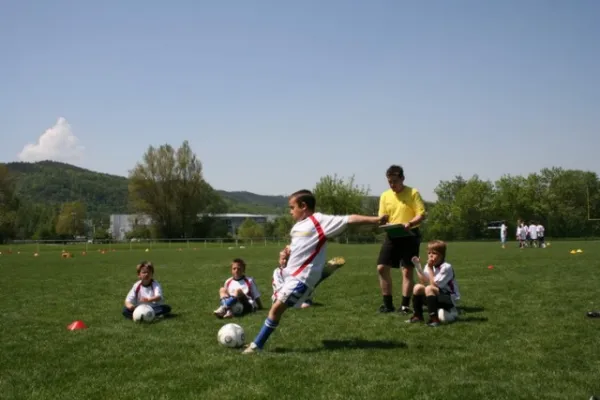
(351, 344)
(471, 319)
(470, 309)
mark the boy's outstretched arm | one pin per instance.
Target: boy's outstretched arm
(365, 219)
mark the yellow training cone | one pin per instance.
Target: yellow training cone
(579, 251)
(573, 252)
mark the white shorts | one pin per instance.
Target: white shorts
(293, 292)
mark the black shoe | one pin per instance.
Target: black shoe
(405, 310)
(593, 314)
(384, 309)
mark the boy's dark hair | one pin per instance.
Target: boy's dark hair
(145, 264)
(395, 170)
(305, 197)
(241, 262)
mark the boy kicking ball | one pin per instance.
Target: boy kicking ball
(332, 265)
(306, 263)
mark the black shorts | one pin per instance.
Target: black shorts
(445, 301)
(396, 252)
(248, 307)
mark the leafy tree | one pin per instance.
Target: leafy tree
(283, 225)
(250, 229)
(168, 185)
(71, 220)
(339, 197)
(9, 204)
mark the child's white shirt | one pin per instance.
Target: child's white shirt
(138, 291)
(246, 283)
(308, 246)
(444, 278)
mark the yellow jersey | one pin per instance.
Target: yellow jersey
(401, 207)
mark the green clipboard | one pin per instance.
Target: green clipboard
(396, 230)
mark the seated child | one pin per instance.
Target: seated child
(278, 280)
(441, 290)
(238, 289)
(145, 291)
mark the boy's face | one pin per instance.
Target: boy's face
(396, 182)
(297, 211)
(237, 271)
(145, 275)
(433, 257)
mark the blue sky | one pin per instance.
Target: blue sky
(272, 95)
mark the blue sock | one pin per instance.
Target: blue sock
(228, 301)
(265, 332)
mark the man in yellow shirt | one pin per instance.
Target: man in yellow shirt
(404, 205)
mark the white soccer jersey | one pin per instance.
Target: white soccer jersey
(540, 230)
(444, 278)
(309, 237)
(503, 230)
(138, 291)
(246, 283)
(532, 231)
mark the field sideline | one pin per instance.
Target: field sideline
(523, 333)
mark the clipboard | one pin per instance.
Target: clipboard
(396, 230)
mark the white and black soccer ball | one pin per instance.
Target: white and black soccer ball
(447, 316)
(231, 335)
(237, 308)
(143, 313)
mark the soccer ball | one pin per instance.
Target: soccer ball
(447, 316)
(143, 313)
(237, 308)
(231, 335)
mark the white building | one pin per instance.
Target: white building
(121, 224)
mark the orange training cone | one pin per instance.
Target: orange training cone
(76, 325)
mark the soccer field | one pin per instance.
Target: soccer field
(523, 333)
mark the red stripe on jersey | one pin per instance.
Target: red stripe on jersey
(321, 241)
(137, 289)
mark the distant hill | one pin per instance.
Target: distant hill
(104, 194)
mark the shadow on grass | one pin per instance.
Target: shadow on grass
(470, 309)
(461, 319)
(352, 344)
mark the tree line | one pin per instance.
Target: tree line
(167, 185)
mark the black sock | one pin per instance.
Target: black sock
(432, 306)
(387, 301)
(418, 302)
(405, 301)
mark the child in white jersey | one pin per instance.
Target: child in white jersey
(240, 289)
(441, 290)
(145, 291)
(277, 281)
(304, 268)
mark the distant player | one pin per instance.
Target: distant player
(304, 268)
(532, 229)
(540, 235)
(404, 206)
(503, 234)
(238, 289)
(438, 287)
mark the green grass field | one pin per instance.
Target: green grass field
(523, 335)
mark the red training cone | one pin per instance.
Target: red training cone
(76, 325)
(491, 267)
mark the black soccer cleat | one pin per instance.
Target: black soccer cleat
(593, 314)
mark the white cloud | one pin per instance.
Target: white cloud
(57, 144)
